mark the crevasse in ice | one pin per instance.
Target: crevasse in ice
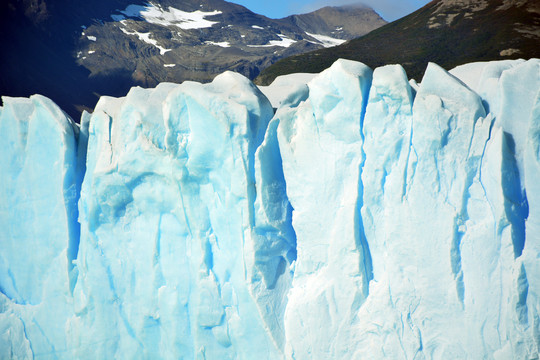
(364, 219)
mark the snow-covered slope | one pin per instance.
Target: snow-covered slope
(363, 219)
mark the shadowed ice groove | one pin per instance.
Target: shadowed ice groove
(516, 206)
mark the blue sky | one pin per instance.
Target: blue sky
(390, 10)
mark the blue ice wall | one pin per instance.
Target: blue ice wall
(364, 219)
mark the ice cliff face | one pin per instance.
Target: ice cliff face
(364, 219)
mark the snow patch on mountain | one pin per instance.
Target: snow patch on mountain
(156, 14)
(284, 42)
(224, 44)
(327, 41)
(146, 38)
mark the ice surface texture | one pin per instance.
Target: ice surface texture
(364, 219)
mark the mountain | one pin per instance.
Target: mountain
(341, 22)
(447, 32)
(366, 219)
(75, 51)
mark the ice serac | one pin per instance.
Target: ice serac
(510, 176)
(167, 208)
(38, 225)
(321, 147)
(421, 166)
(531, 252)
(390, 160)
(525, 201)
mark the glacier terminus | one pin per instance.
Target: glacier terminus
(363, 216)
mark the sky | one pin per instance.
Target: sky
(390, 10)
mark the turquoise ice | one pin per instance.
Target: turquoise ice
(367, 217)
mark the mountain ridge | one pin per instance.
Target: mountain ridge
(74, 52)
(447, 32)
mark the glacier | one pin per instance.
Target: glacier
(359, 215)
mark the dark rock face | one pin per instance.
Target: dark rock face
(75, 51)
(447, 32)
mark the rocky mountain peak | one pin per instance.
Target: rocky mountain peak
(447, 32)
(87, 49)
